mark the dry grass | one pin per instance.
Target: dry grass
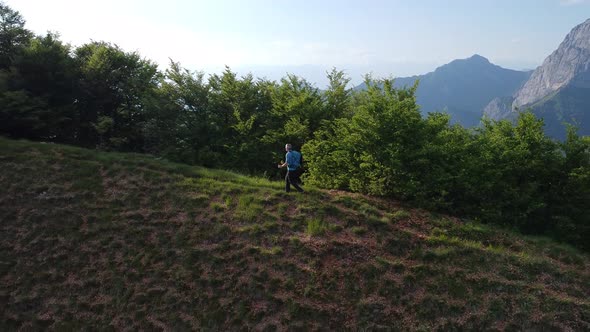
(95, 240)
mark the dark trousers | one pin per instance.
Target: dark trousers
(292, 178)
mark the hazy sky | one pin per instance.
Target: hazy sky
(269, 37)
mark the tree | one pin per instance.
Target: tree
(375, 150)
(180, 126)
(115, 90)
(13, 35)
(571, 212)
(297, 112)
(38, 92)
(240, 107)
(337, 97)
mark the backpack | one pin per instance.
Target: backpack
(298, 163)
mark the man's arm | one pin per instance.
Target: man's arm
(285, 164)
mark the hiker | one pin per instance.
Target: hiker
(293, 163)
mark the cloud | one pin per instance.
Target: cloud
(572, 2)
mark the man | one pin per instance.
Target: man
(292, 162)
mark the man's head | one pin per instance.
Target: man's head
(288, 147)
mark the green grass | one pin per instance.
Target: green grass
(218, 207)
(358, 230)
(127, 241)
(248, 209)
(399, 215)
(316, 227)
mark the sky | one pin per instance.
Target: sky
(308, 37)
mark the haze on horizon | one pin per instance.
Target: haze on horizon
(270, 38)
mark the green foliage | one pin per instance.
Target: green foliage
(117, 85)
(374, 144)
(240, 113)
(38, 94)
(505, 173)
(13, 35)
(571, 211)
(179, 125)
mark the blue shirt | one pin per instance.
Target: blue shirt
(293, 159)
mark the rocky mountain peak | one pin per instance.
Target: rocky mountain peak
(570, 60)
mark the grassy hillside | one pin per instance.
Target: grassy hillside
(128, 242)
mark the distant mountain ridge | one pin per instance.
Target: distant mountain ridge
(463, 87)
(558, 90)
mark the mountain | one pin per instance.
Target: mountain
(130, 242)
(463, 87)
(500, 108)
(559, 90)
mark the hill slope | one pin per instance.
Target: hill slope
(463, 88)
(126, 241)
